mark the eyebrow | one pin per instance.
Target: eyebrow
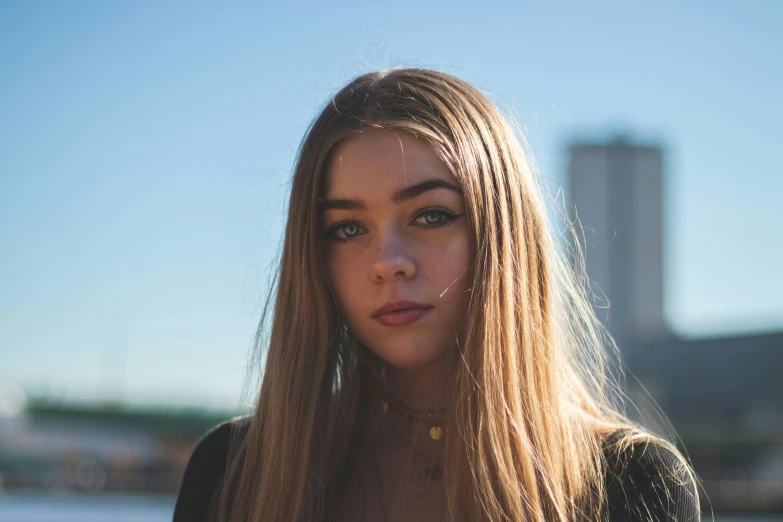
(398, 197)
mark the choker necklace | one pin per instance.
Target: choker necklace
(434, 416)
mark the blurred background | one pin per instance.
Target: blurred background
(145, 155)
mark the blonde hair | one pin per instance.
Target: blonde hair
(533, 401)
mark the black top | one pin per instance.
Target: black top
(642, 484)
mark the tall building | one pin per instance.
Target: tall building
(617, 189)
(722, 395)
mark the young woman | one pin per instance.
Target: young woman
(432, 355)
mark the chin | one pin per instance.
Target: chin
(410, 357)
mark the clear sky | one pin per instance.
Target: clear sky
(145, 151)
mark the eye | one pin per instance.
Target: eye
(433, 217)
(344, 231)
(350, 229)
(436, 218)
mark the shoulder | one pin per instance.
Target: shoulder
(206, 468)
(647, 479)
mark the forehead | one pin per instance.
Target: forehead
(382, 161)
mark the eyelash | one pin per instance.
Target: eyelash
(448, 218)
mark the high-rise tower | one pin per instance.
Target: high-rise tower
(617, 189)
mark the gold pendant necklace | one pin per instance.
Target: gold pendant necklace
(435, 417)
(434, 470)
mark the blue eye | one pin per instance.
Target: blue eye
(433, 217)
(427, 219)
(437, 218)
(350, 229)
(344, 231)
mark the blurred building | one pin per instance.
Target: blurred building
(618, 191)
(723, 395)
(70, 448)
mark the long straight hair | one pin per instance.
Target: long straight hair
(533, 400)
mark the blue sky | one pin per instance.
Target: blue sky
(145, 151)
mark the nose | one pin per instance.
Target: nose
(392, 258)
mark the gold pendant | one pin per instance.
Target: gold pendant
(436, 433)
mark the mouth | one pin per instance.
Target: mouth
(400, 313)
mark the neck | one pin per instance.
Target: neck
(403, 439)
(422, 388)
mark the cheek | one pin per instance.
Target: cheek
(449, 262)
(344, 279)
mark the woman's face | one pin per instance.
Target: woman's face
(397, 241)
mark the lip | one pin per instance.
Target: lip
(400, 313)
